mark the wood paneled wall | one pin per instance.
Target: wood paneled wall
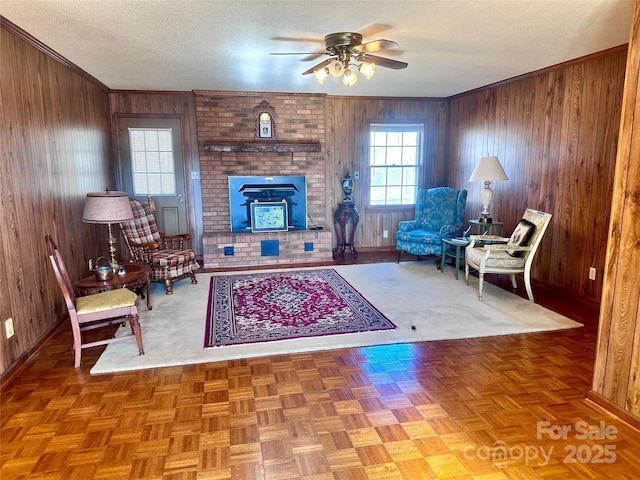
(555, 133)
(162, 105)
(347, 130)
(617, 366)
(56, 147)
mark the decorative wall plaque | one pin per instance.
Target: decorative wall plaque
(265, 125)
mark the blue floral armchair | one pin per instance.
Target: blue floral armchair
(439, 214)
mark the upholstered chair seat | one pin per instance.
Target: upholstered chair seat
(494, 258)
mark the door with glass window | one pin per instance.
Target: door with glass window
(152, 164)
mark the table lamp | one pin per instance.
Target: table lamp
(108, 207)
(487, 169)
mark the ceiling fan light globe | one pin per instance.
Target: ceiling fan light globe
(321, 74)
(336, 68)
(367, 69)
(350, 78)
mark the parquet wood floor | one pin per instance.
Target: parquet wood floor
(458, 409)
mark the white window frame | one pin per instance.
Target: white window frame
(398, 160)
(152, 162)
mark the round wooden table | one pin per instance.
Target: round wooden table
(135, 278)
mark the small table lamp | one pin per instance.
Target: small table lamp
(487, 169)
(108, 207)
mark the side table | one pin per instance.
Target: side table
(136, 278)
(345, 213)
(486, 226)
(453, 247)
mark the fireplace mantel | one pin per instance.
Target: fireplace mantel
(271, 146)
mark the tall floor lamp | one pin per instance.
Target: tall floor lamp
(487, 170)
(108, 207)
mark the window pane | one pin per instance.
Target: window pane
(151, 140)
(394, 156)
(409, 176)
(139, 162)
(410, 139)
(394, 138)
(394, 176)
(165, 141)
(166, 162)
(377, 195)
(139, 184)
(409, 156)
(379, 138)
(168, 185)
(137, 140)
(155, 186)
(394, 196)
(153, 162)
(409, 195)
(378, 155)
(378, 176)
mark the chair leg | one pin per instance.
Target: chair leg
(77, 344)
(399, 252)
(480, 284)
(527, 285)
(168, 286)
(466, 273)
(194, 280)
(513, 281)
(135, 328)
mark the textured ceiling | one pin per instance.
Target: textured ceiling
(452, 46)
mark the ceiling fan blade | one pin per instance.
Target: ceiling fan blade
(308, 58)
(374, 30)
(384, 62)
(318, 67)
(376, 46)
(297, 53)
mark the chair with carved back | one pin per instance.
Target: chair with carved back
(167, 255)
(94, 311)
(508, 255)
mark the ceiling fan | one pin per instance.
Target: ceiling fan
(344, 48)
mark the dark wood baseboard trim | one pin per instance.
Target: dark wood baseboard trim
(8, 375)
(386, 249)
(613, 409)
(569, 296)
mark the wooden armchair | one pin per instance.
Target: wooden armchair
(513, 256)
(94, 311)
(167, 256)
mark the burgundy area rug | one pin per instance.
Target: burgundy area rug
(261, 307)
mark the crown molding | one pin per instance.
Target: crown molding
(11, 27)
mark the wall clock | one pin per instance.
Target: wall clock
(265, 126)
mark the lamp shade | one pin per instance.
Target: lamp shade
(107, 207)
(488, 169)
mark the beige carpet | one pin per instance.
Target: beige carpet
(409, 294)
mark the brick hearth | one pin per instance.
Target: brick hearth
(247, 248)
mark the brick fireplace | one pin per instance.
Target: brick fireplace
(226, 137)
